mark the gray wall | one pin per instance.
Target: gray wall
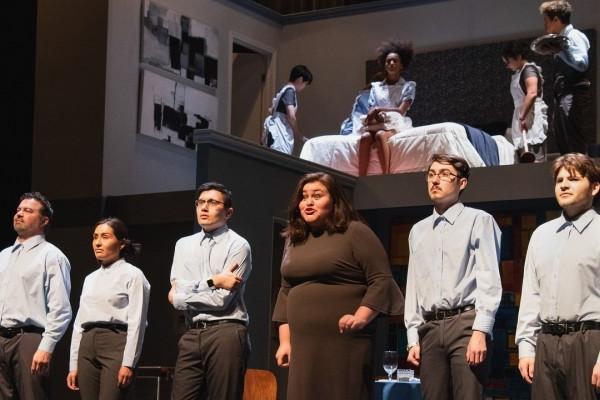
(131, 164)
(69, 98)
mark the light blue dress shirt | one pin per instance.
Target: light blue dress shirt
(34, 289)
(197, 258)
(562, 277)
(453, 263)
(117, 294)
(576, 54)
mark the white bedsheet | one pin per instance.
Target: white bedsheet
(411, 149)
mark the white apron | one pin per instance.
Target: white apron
(536, 119)
(278, 127)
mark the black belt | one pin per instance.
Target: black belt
(105, 325)
(206, 324)
(12, 332)
(562, 328)
(438, 315)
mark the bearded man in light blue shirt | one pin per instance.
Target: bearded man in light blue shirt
(34, 302)
(453, 288)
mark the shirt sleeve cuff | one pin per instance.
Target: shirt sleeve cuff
(72, 365)
(179, 301)
(47, 344)
(526, 350)
(483, 323)
(127, 362)
(412, 336)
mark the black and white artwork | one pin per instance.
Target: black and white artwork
(179, 44)
(170, 110)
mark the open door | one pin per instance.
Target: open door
(251, 90)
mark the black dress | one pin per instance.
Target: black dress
(323, 279)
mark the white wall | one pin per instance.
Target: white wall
(336, 49)
(135, 164)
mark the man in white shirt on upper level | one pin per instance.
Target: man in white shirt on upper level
(572, 119)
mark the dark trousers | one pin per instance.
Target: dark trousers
(563, 366)
(211, 363)
(98, 364)
(572, 122)
(445, 373)
(16, 379)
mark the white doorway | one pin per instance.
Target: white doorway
(252, 87)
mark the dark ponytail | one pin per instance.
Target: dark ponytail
(130, 250)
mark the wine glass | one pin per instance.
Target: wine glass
(390, 362)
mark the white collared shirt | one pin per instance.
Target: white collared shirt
(576, 54)
(197, 258)
(117, 294)
(453, 263)
(562, 277)
(34, 289)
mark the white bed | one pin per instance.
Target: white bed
(411, 149)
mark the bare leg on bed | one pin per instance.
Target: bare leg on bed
(364, 153)
(383, 149)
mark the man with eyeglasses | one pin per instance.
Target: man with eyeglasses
(208, 276)
(34, 302)
(558, 330)
(453, 289)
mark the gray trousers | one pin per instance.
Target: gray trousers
(98, 364)
(16, 379)
(445, 373)
(211, 363)
(563, 366)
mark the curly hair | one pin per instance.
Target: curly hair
(403, 49)
(337, 222)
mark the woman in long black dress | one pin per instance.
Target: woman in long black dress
(335, 280)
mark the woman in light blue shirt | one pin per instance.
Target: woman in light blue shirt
(109, 328)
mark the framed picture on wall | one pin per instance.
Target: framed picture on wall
(179, 44)
(170, 110)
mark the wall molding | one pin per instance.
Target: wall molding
(334, 12)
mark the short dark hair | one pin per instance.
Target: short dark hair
(301, 71)
(228, 202)
(585, 165)
(515, 49)
(46, 209)
(337, 222)
(460, 164)
(130, 250)
(557, 8)
(403, 49)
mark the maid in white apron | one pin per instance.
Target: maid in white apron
(277, 131)
(535, 120)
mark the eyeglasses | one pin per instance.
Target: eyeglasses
(212, 203)
(444, 175)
